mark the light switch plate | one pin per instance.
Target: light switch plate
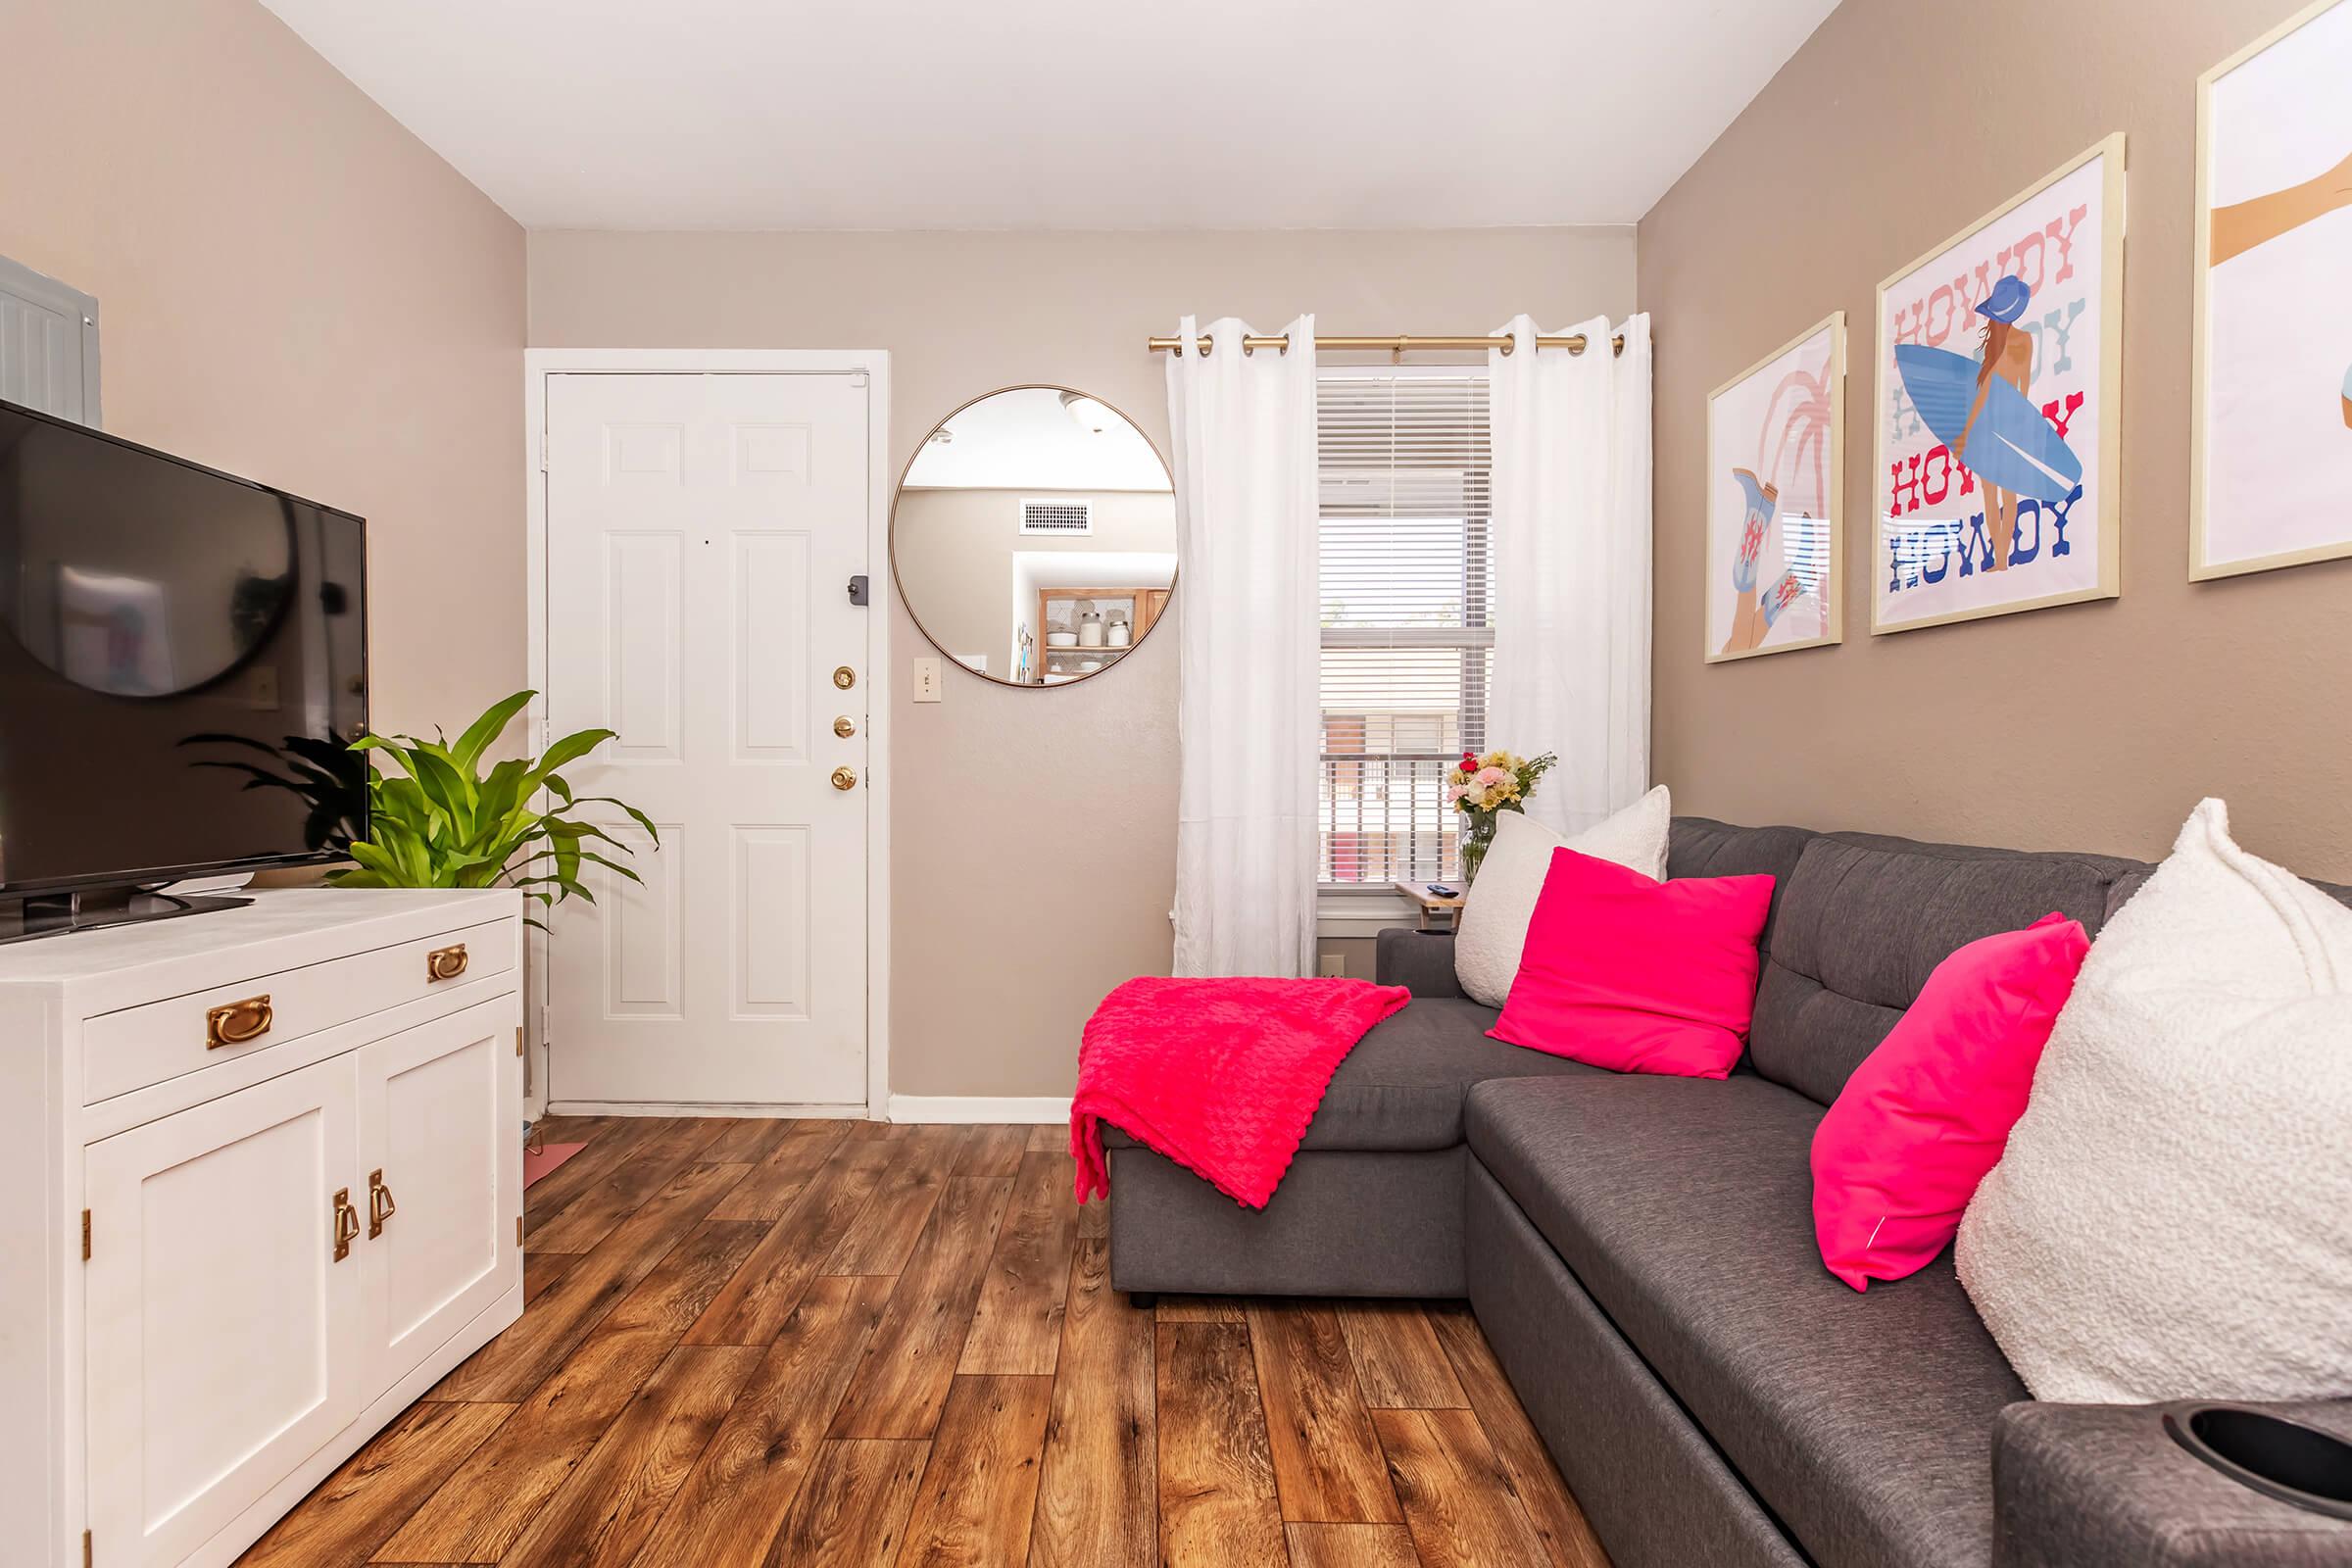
(926, 680)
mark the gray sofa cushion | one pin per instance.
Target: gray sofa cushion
(1699, 845)
(1401, 1086)
(1685, 1207)
(1864, 921)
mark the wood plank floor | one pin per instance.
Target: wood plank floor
(769, 1344)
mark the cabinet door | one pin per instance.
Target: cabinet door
(441, 1134)
(223, 1334)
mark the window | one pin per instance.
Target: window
(48, 345)
(1407, 614)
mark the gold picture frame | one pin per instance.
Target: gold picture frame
(2109, 155)
(1818, 414)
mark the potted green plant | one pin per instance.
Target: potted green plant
(443, 822)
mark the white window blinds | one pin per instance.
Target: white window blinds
(1407, 613)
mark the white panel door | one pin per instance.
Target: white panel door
(441, 1169)
(223, 1334)
(702, 532)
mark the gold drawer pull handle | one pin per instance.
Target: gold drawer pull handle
(347, 1223)
(445, 963)
(380, 1207)
(236, 1022)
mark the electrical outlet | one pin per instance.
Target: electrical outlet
(1334, 966)
(926, 680)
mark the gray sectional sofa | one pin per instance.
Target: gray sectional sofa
(1640, 1250)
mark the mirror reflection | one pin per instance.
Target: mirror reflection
(1034, 536)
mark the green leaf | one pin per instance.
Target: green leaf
(488, 728)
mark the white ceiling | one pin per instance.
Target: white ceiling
(1025, 439)
(1058, 114)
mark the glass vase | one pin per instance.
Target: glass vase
(1478, 833)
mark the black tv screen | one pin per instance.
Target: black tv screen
(184, 661)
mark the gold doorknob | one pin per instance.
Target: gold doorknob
(845, 726)
(843, 779)
(843, 676)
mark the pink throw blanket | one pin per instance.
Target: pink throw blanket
(1222, 1076)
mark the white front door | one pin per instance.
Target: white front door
(222, 1328)
(702, 534)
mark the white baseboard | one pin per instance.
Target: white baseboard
(639, 1107)
(980, 1107)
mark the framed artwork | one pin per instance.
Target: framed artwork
(2271, 439)
(1775, 500)
(1998, 408)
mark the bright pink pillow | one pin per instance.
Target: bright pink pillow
(1637, 975)
(1928, 1112)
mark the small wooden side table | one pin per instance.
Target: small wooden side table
(1431, 905)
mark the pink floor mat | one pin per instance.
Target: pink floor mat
(550, 1155)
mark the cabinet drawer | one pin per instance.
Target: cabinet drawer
(162, 1040)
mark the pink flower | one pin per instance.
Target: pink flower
(1453, 792)
(1488, 777)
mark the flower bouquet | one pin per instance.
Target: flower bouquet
(1481, 788)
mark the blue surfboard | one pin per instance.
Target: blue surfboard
(2013, 446)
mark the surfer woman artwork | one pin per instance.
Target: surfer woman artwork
(1997, 409)
(1776, 471)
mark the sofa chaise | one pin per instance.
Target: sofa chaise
(1640, 1251)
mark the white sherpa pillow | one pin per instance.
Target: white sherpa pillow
(2173, 1216)
(1492, 928)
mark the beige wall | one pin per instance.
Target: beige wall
(2093, 727)
(994, 787)
(290, 287)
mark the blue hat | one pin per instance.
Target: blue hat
(2007, 301)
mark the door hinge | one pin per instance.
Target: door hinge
(519, 1040)
(543, 451)
(518, 1230)
(86, 1549)
(85, 1235)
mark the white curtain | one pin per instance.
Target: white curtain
(1243, 428)
(1570, 566)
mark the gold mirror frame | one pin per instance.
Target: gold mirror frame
(899, 585)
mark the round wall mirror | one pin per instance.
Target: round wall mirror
(1034, 536)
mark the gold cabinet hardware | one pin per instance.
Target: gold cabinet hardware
(445, 963)
(518, 1230)
(236, 1022)
(85, 1235)
(845, 726)
(843, 676)
(347, 1223)
(380, 1207)
(845, 778)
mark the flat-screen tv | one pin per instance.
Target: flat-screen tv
(183, 664)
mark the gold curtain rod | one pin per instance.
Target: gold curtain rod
(1400, 343)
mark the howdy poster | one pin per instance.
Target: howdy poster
(1997, 409)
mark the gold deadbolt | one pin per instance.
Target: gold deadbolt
(843, 779)
(845, 726)
(843, 676)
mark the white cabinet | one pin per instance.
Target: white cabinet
(441, 1157)
(223, 1331)
(231, 1261)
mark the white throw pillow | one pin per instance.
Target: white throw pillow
(2173, 1215)
(1492, 928)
